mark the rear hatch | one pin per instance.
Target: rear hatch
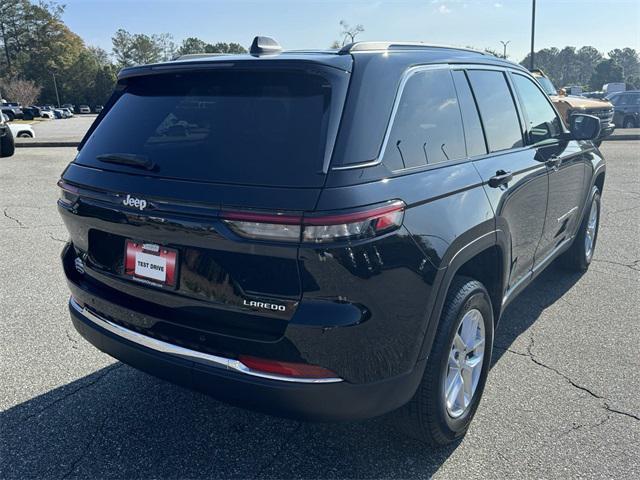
(161, 196)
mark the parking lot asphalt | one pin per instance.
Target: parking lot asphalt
(59, 130)
(562, 399)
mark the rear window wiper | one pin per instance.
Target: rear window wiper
(130, 159)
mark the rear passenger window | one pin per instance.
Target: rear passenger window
(499, 115)
(427, 128)
(472, 127)
(543, 122)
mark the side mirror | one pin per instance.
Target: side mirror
(584, 127)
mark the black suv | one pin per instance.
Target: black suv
(626, 108)
(7, 145)
(324, 235)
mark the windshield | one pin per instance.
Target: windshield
(546, 85)
(235, 126)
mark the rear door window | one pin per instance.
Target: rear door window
(473, 133)
(497, 109)
(236, 126)
(427, 127)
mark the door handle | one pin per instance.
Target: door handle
(554, 162)
(500, 178)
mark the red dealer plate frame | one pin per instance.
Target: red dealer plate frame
(151, 263)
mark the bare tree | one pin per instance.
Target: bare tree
(19, 90)
(350, 33)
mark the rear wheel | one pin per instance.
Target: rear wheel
(580, 254)
(629, 122)
(446, 400)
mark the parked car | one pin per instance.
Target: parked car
(22, 130)
(47, 114)
(71, 107)
(98, 108)
(7, 145)
(84, 109)
(11, 111)
(61, 113)
(626, 107)
(321, 235)
(597, 95)
(569, 105)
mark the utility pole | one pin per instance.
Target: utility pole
(533, 32)
(55, 86)
(504, 48)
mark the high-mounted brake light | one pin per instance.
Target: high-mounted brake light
(317, 228)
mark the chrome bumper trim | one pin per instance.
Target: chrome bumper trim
(185, 353)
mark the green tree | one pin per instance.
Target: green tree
(192, 45)
(628, 59)
(606, 71)
(222, 47)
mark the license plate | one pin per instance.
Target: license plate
(151, 263)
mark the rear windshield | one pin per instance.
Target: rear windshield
(247, 127)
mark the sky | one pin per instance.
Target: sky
(299, 24)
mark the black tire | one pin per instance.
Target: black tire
(425, 417)
(629, 122)
(577, 258)
(7, 145)
(25, 135)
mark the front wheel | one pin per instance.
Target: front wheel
(629, 123)
(580, 254)
(446, 400)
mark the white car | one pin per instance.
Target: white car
(47, 114)
(22, 130)
(84, 109)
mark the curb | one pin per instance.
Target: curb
(45, 144)
(628, 136)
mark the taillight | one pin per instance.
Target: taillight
(287, 369)
(68, 194)
(264, 226)
(317, 228)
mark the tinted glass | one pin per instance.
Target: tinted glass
(543, 123)
(547, 86)
(472, 127)
(260, 128)
(499, 115)
(427, 127)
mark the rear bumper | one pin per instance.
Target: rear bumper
(332, 401)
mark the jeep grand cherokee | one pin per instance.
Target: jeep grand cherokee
(324, 235)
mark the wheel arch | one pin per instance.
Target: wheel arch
(483, 259)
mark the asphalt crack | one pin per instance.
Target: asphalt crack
(84, 386)
(87, 448)
(20, 224)
(635, 265)
(605, 402)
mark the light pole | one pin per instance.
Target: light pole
(533, 32)
(504, 48)
(55, 86)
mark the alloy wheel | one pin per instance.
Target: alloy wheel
(464, 365)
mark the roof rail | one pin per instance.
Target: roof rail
(373, 46)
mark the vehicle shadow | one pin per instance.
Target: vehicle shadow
(522, 313)
(121, 423)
